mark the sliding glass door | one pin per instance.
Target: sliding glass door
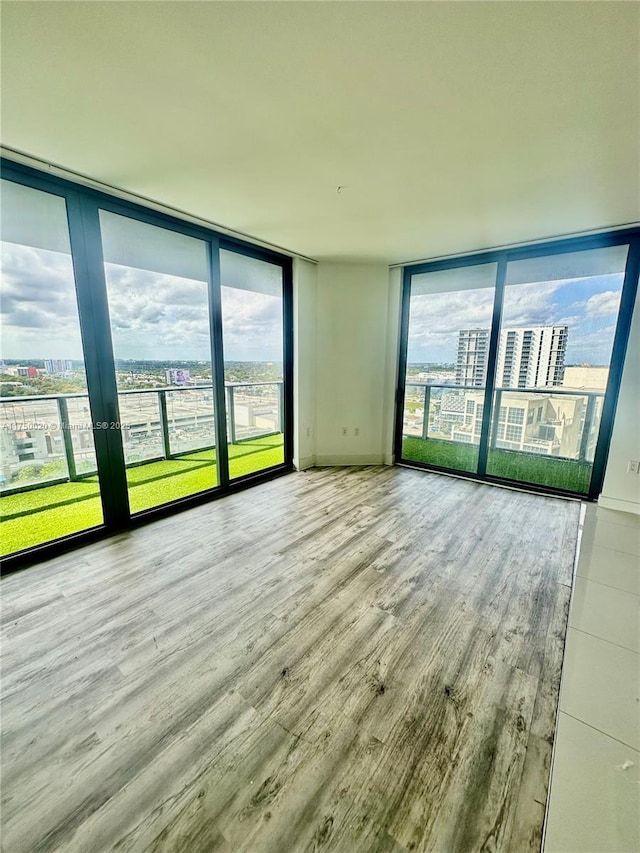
(157, 287)
(253, 338)
(447, 346)
(557, 329)
(48, 483)
(511, 362)
(142, 364)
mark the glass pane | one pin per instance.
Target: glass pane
(448, 343)
(252, 325)
(48, 487)
(558, 323)
(142, 428)
(190, 419)
(159, 311)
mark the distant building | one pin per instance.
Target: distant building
(586, 378)
(532, 358)
(252, 415)
(21, 447)
(527, 358)
(58, 365)
(471, 364)
(431, 377)
(20, 370)
(451, 409)
(34, 448)
(531, 423)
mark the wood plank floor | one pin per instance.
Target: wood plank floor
(338, 660)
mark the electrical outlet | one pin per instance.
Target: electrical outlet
(308, 432)
(356, 431)
(344, 431)
(633, 467)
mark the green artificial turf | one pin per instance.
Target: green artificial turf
(42, 515)
(564, 474)
(567, 474)
(446, 454)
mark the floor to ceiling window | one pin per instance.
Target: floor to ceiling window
(159, 316)
(253, 337)
(511, 362)
(558, 322)
(48, 482)
(145, 362)
(448, 340)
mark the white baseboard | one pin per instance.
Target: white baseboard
(617, 503)
(304, 462)
(350, 459)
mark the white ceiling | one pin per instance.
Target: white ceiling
(450, 126)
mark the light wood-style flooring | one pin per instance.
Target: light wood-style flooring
(353, 660)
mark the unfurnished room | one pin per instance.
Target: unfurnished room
(320, 426)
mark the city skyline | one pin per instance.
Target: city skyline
(587, 305)
(26, 361)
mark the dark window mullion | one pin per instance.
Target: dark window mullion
(620, 341)
(86, 251)
(217, 361)
(287, 367)
(492, 360)
(402, 363)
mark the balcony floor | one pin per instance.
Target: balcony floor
(41, 515)
(538, 469)
(357, 660)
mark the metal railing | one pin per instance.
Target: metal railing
(155, 427)
(427, 398)
(553, 390)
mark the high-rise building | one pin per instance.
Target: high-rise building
(527, 358)
(471, 364)
(58, 365)
(531, 358)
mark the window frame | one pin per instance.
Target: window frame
(502, 257)
(83, 204)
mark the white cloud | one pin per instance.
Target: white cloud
(435, 319)
(157, 316)
(39, 310)
(529, 304)
(153, 316)
(252, 325)
(603, 304)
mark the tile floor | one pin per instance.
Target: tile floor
(594, 801)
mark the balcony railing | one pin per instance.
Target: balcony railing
(582, 442)
(48, 438)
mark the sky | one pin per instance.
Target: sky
(156, 317)
(153, 316)
(589, 307)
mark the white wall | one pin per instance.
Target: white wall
(621, 490)
(352, 333)
(305, 275)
